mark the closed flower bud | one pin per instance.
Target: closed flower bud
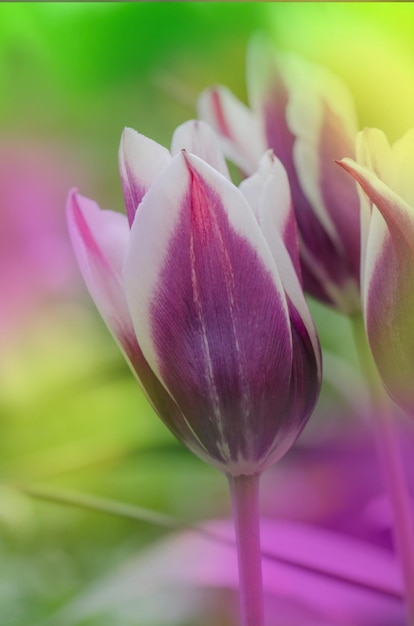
(200, 286)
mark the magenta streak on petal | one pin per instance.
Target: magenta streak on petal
(220, 333)
(290, 239)
(223, 127)
(86, 234)
(133, 193)
(312, 234)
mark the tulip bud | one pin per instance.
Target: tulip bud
(306, 116)
(208, 310)
(385, 175)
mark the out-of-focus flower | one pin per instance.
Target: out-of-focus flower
(35, 257)
(203, 296)
(385, 173)
(306, 116)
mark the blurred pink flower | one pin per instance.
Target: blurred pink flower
(328, 556)
(36, 262)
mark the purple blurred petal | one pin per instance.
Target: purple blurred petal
(327, 264)
(324, 124)
(269, 94)
(357, 584)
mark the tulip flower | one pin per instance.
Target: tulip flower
(306, 116)
(207, 308)
(385, 174)
(201, 288)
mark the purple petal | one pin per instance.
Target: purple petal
(268, 191)
(141, 160)
(325, 126)
(210, 312)
(200, 139)
(269, 97)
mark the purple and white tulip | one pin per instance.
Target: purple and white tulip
(200, 286)
(385, 173)
(306, 116)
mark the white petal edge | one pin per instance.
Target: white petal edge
(141, 161)
(100, 240)
(377, 235)
(275, 209)
(239, 128)
(397, 213)
(305, 117)
(200, 139)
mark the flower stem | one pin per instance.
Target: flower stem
(390, 456)
(245, 499)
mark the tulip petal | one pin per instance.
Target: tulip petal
(326, 267)
(398, 215)
(389, 284)
(141, 160)
(325, 128)
(373, 152)
(279, 227)
(268, 97)
(402, 159)
(210, 312)
(392, 165)
(200, 139)
(269, 190)
(237, 126)
(389, 303)
(100, 239)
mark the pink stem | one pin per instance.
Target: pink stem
(245, 499)
(395, 480)
(390, 456)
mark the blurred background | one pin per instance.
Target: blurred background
(72, 75)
